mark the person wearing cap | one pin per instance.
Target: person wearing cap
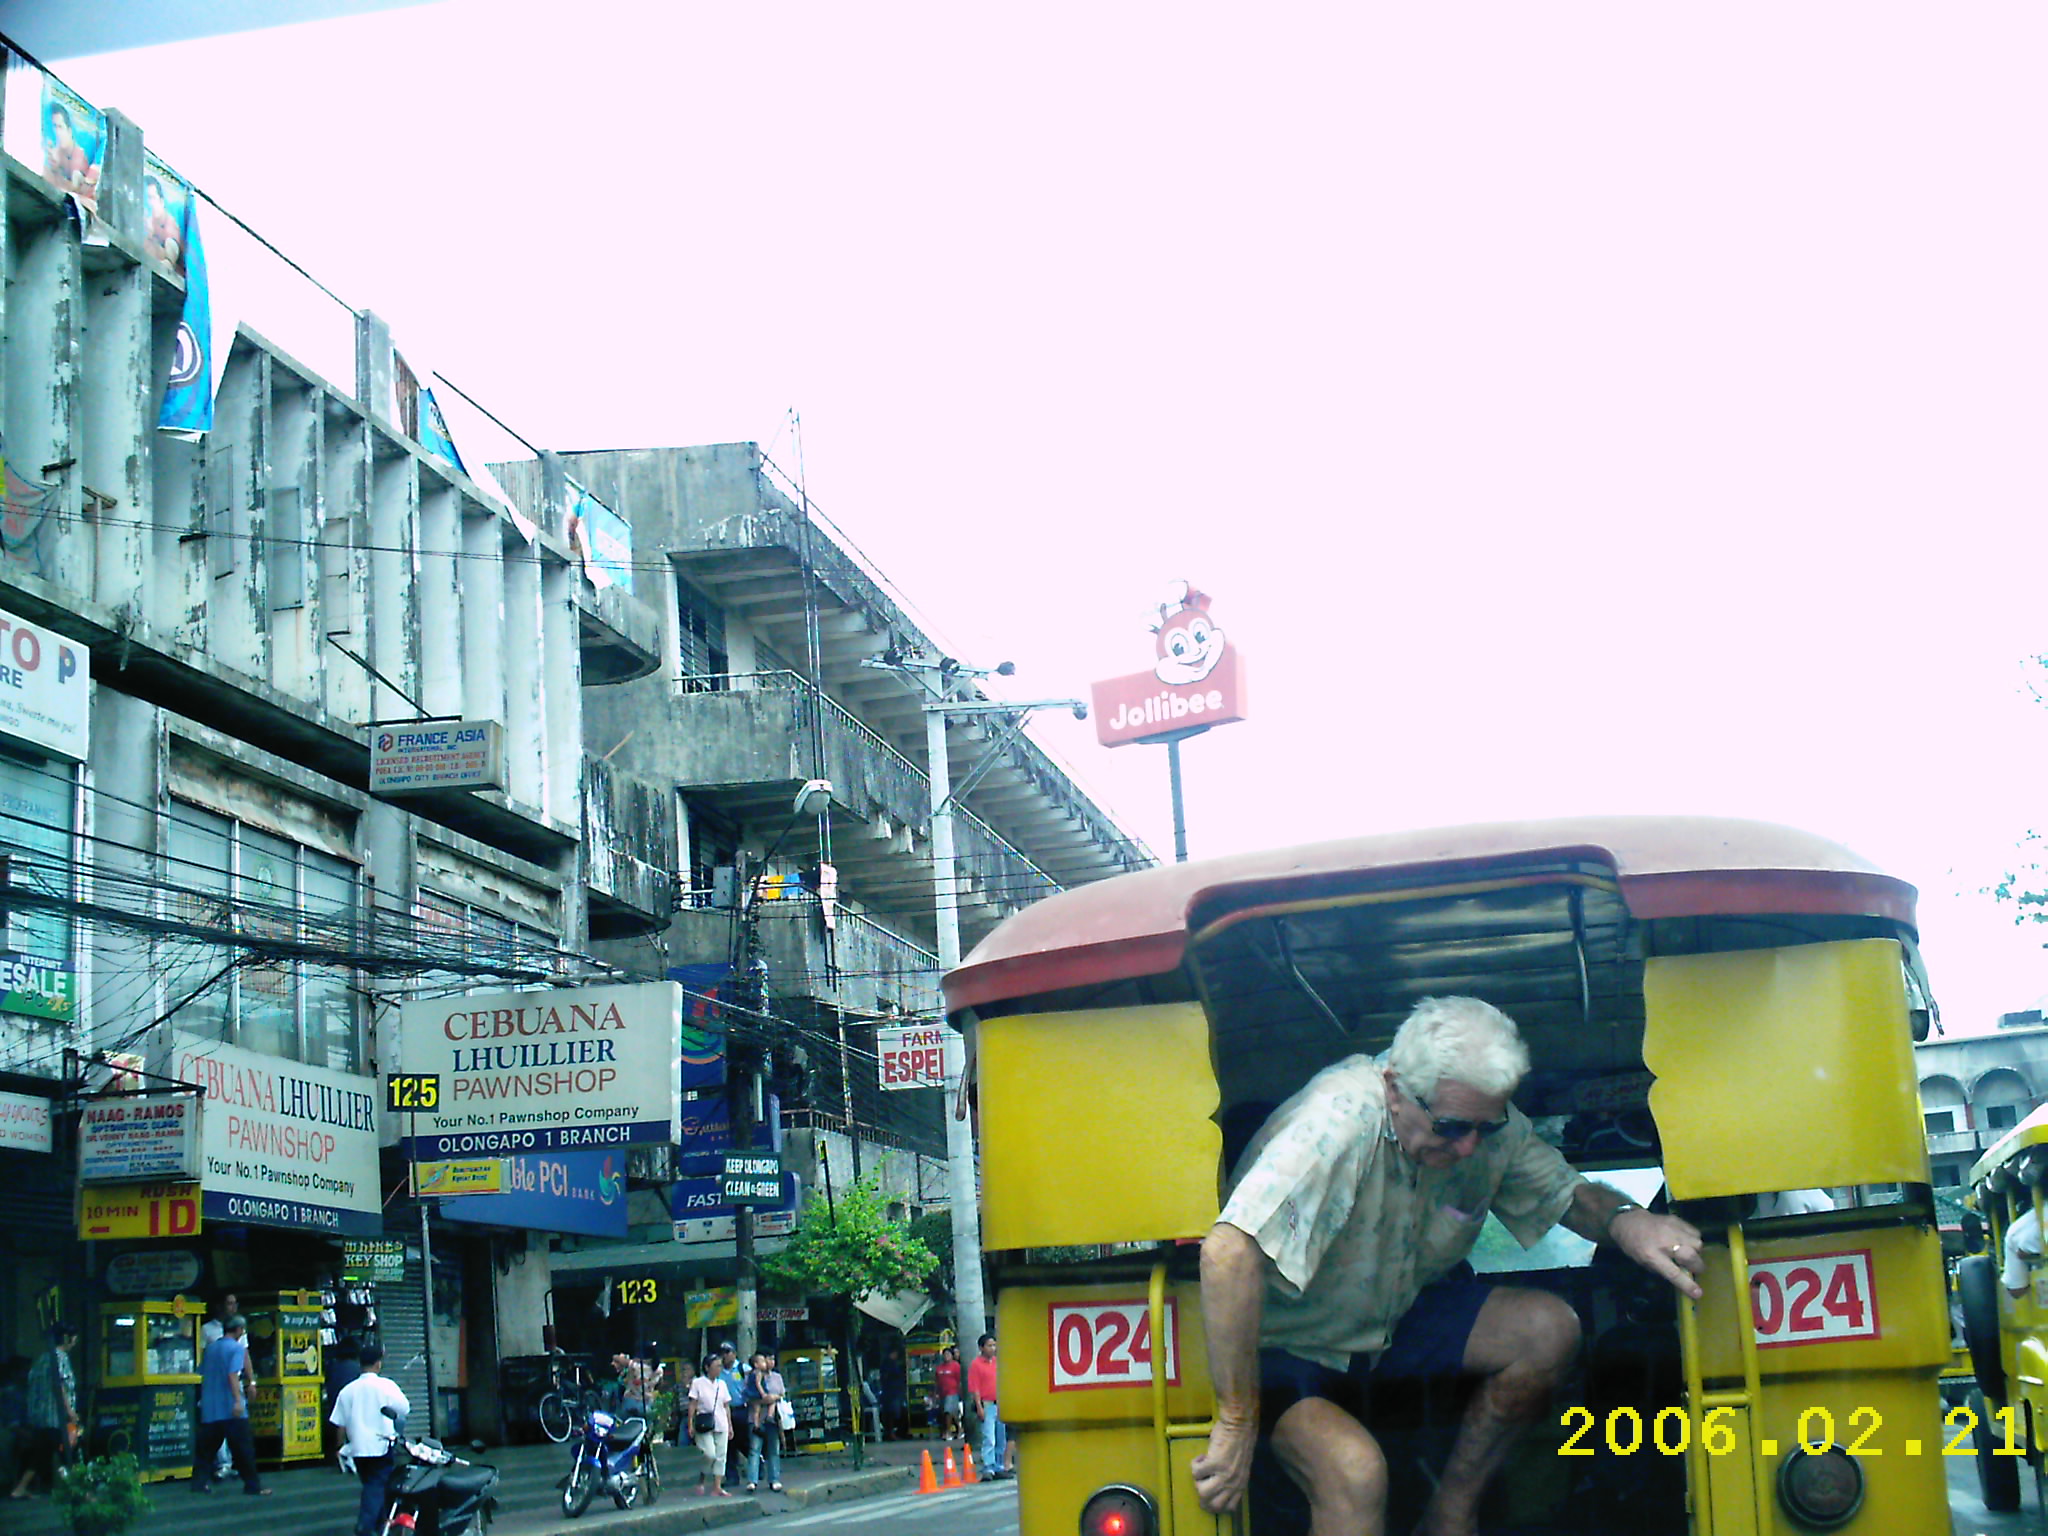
(735, 1378)
(1339, 1260)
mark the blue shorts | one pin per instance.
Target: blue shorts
(1428, 1342)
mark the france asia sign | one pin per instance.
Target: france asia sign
(508, 1073)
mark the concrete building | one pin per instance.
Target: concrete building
(204, 637)
(766, 625)
(1975, 1088)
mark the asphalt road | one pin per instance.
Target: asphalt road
(989, 1509)
(1971, 1518)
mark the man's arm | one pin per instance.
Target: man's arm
(1234, 1270)
(1667, 1246)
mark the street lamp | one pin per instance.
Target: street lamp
(813, 801)
(940, 679)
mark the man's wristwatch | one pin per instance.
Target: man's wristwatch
(1626, 1205)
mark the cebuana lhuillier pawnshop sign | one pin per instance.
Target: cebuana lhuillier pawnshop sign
(519, 1072)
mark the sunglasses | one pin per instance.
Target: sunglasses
(1450, 1128)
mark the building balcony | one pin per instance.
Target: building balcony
(629, 840)
(866, 969)
(743, 743)
(1960, 1143)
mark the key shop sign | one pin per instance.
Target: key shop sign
(1196, 680)
(913, 1057)
(506, 1074)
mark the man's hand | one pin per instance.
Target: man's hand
(1224, 1470)
(1664, 1245)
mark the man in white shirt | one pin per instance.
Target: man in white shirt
(368, 1434)
(2022, 1249)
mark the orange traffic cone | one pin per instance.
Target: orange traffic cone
(967, 1472)
(927, 1481)
(952, 1469)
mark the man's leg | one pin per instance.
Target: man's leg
(375, 1472)
(1338, 1464)
(205, 1451)
(242, 1444)
(1522, 1345)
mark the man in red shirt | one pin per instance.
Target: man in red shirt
(997, 1458)
(947, 1378)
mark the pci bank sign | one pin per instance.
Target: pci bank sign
(506, 1074)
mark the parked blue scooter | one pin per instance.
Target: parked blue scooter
(615, 1455)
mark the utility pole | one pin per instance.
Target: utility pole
(940, 679)
(743, 1062)
(962, 1176)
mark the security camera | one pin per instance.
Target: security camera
(1080, 711)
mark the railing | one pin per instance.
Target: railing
(1940, 1142)
(1029, 883)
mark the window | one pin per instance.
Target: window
(714, 844)
(2001, 1117)
(1947, 1176)
(461, 931)
(1939, 1121)
(36, 820)
(245, 881)
(701, 630)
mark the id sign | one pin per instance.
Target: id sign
(914, 1057)
(572, 1068)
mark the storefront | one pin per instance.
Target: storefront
(252, 1190)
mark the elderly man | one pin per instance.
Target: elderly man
(1339, 1260)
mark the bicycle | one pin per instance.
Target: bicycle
(560, 1408)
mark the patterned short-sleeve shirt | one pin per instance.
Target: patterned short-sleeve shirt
(1356, 1228)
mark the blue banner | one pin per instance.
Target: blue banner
(171, 235)
(703, 1044)
(434, 430)
(704, 1134)
(583, 1192)
(605, 540)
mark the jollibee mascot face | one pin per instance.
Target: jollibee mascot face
(1190, 644)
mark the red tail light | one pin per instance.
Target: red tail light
(404, 1520)
(1119, 1510)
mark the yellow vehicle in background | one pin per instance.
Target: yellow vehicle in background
(1718, 1012)
(2007, 1334)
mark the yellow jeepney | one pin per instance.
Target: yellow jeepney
(1718, 1012)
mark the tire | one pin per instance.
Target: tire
(582, 1488)
(555, 1419)
(1998, 1477)
(1977, 1290)
(650, 1480)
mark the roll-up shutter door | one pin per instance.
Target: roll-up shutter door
(402, 1327)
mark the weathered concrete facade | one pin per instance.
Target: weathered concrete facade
(256, 604)
(1974, 1088)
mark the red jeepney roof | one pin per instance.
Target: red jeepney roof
(1669, 866)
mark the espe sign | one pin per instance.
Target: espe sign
(913, 1057)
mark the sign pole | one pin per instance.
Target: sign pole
(1180, 812)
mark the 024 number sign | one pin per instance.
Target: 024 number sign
(1109, 1344)
(1821, 1299)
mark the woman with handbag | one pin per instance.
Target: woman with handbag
(710, 1410)
(768, 1414)
(52, 1412)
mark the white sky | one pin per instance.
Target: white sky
(1589, 408)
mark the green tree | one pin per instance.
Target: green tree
(848, 1247)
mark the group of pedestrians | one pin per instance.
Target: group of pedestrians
(724, 1399)
(971, 1393)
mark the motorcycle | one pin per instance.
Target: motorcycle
(613, 1455)
(433, 1492)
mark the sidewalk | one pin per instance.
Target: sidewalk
(314, 1499)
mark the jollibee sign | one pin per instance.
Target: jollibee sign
(1196, 681)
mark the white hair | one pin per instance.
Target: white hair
(1460, 1038)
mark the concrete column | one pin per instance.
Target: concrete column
(376, 379)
